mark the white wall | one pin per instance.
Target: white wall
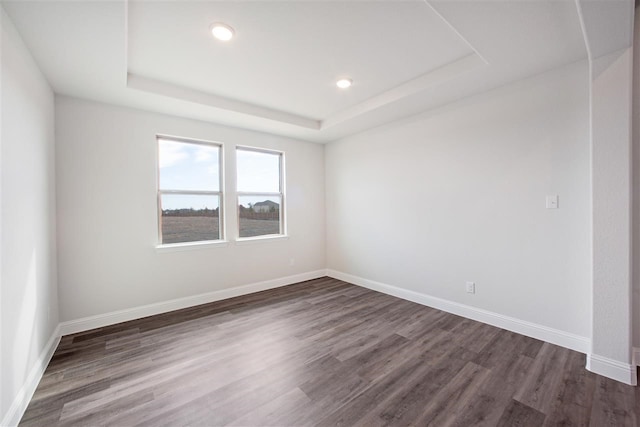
(28, 291)
(107, 214)
(458, 195)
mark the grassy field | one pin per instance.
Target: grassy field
(178, 229)
(258, 227)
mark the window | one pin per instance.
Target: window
(189, 190)
(260, 183)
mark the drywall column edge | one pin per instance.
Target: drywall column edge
(611, 113)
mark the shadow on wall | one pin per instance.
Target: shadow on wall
(21, 338)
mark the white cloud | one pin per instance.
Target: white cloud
(171, 153)
(203, 154)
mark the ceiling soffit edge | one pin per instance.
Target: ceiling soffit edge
(211, 100)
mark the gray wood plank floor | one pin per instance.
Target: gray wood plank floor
(321, 352)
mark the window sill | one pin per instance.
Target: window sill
(260, 239)
(191, 246)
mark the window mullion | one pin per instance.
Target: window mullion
(258, 194)
(191, 192)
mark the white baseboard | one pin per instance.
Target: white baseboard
(600, 365)
(544, 333)
(22, 399)
(101, 320)
(623, 372)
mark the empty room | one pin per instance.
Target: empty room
(319, 213)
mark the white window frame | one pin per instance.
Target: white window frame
(219, 193)
(282, 216)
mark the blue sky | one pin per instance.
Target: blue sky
(186, 166)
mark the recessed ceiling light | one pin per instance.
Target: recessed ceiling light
(222, 31)
(344, 83)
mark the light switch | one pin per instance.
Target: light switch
(552, 202)
(471, 287)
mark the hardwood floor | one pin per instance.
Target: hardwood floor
(324, 353)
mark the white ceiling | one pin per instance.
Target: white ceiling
(287, 56)
(277, 75)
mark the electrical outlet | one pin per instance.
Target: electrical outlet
(471, 288)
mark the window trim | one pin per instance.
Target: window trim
(282, 194)
(190, 246)
(220, 193)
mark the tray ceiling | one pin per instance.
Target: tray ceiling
(278, 73)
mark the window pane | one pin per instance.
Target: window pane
(259, 215)
(187, 218)
(258, 172)
(185, 166)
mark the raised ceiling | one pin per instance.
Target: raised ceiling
(287, 56)
(278, 74)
